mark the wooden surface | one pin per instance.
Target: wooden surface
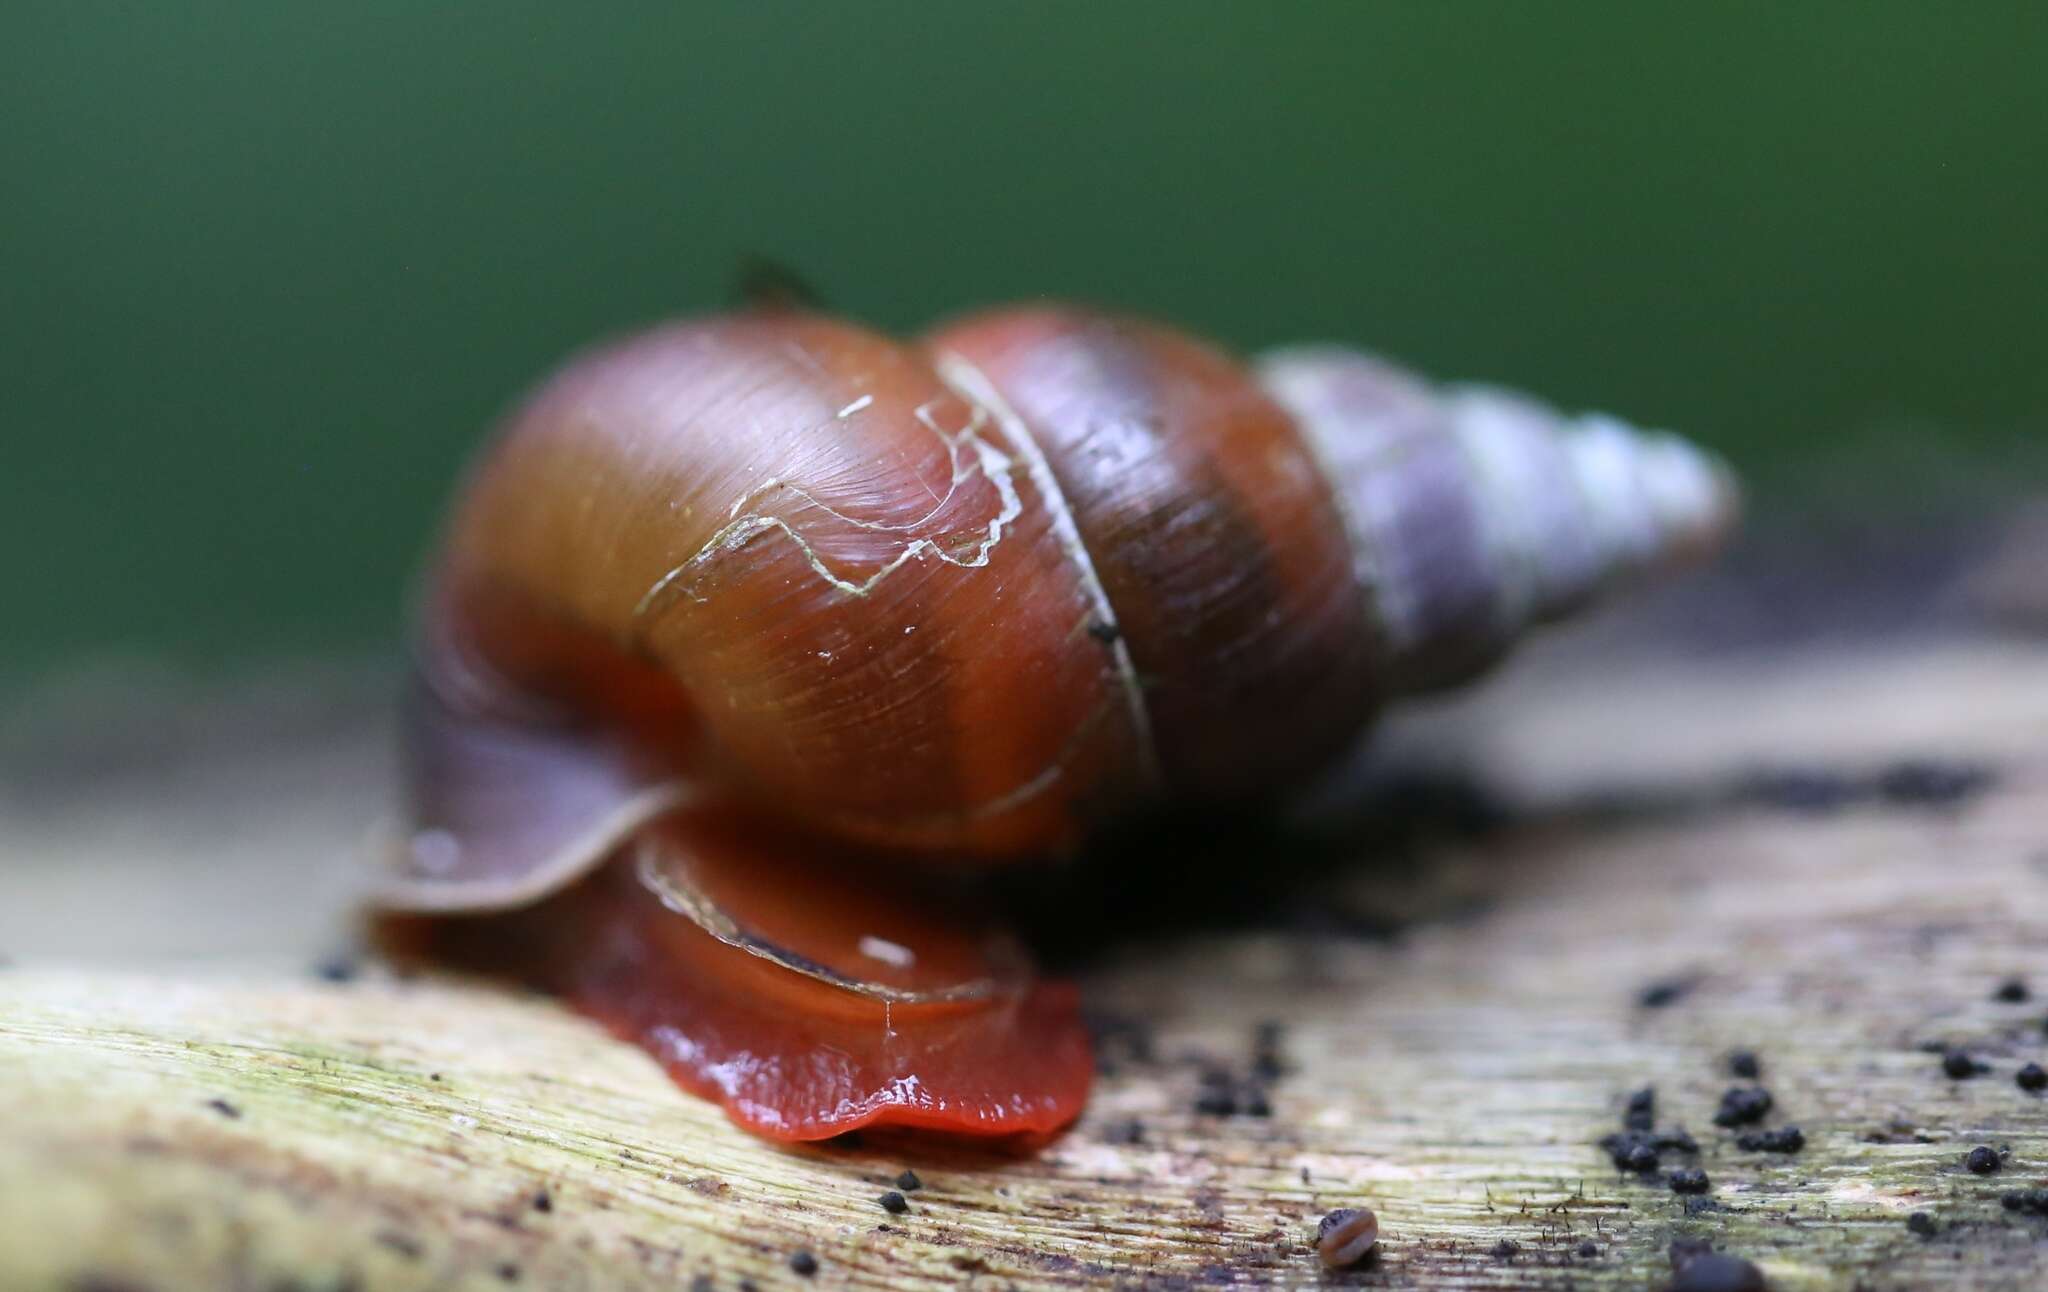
(183, 1105)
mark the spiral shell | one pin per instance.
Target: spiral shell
(969, 599)
(1475, 512)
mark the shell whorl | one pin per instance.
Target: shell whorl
(970, 597)
(1475, 512)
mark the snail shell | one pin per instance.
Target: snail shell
(972, 598)
(965, 600)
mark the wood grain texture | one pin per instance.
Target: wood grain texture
(233, 1125)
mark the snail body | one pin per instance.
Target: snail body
(739, 619)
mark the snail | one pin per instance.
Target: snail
(749, 634)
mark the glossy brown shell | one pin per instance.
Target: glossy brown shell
(1215, 533)
(967, 598)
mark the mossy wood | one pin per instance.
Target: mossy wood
(1630, 922)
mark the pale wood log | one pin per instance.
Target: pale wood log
(231, 1122)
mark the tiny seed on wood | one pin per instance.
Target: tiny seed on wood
(1667, 992)
(336, 969)
(1741, 1105)
(1344, 1236)
(1960, 1066)
(1642, 1109)
(1718, 1272)
(1786, 1139)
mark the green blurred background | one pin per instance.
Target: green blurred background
(269, 269)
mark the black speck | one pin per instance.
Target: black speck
(1588, 1250)
(1676, 1141)
(1128, 1131)
(508, 1272)
(433, 1076)
(1668, 991)
(337, 969)
(543, 1201)
(403, 1244)
(908, 1182)
(1699, 1205)
(893, 1203)
(803, 1263)
(1223, 1095)
(1960, 1066)
(748, 1285)
(2032, 1201)
(1744, 1064)
(1632, 1150)
(1506, 1249)
(2012, 991)
(2031, 1077)
(1119, 1039)
(1268, 1063)
(1718, 1272)
(1786, 1139)
(1922, 1224)
(1106, 633)
(1913, 783)
(1689, 1179)
(1799, 790)
(1642, 1109)
(1981, 1160)
(1932, 784)
(702, 1283)
(1742, 1105)
(224, 1108)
